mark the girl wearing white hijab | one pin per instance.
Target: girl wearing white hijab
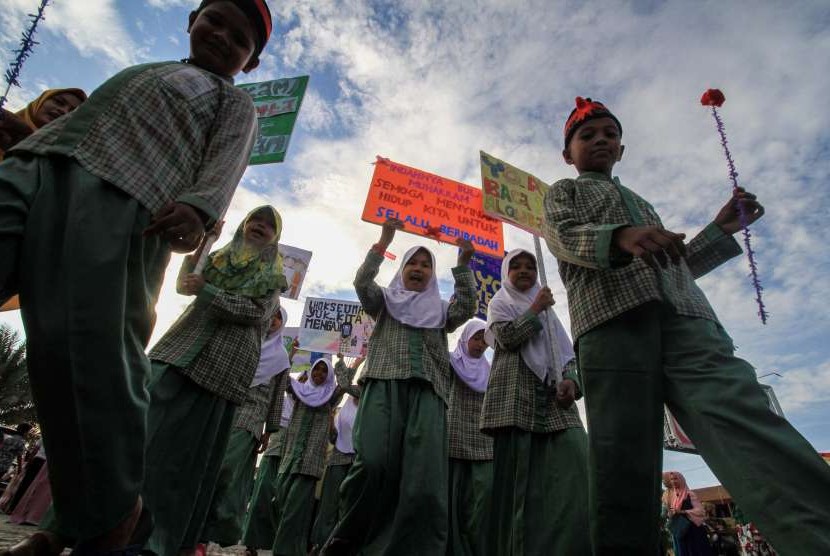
(340, 461)
(304, 454)
(394, 498)
(263, 406)
(471, 451)
(539, 444)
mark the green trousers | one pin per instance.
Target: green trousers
(72, 245)
(259, 530)
(540, 494)
(233, 490)
(394, 499)
(649, 356)
(187, 435)
(328, 511)
(471, 486)
(292, 512)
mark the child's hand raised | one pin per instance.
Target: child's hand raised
(387, 233)
(651, 243)
(543, 300)
(467, 251)
(180, 225)
(728, 218)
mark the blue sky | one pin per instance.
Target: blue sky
(429, 83)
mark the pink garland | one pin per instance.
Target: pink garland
(714, 98)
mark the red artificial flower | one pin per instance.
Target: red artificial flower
(712, 97)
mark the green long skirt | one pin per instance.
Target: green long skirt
(394, 499)
(650, 356)
(259, 530)
(540, 494)
(72, 245)
(327, 512)
(471, 486)
(293, 512)
(188, 430)
(233, 490)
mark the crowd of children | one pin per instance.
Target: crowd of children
(433, 452)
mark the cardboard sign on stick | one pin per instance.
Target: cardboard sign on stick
(295, 263)
(512, 195)
(277, 104)
(335, 326)
(431, 206)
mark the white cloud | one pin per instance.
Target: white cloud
(168, 4)
(94, 27)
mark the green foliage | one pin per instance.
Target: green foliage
(16, 405)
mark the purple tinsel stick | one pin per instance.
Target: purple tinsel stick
(750, 253)
(27, 41)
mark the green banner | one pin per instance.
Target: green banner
(277, 105)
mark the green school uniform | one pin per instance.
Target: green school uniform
(470, 471)
(225, 519)
(649, 337)
(540, 455)
(394, 498)
(302, 465)
(259, 530)
(74, 200)
(213, 349)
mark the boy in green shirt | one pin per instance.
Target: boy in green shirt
(647, 336)
(90, 208)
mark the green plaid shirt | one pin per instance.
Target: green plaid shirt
(602, 282)
(275, 444)
(515, 396)
(216, 342)
(307, 435)
(463, 417)
(160, 132)
(262, 406)
(400, 352)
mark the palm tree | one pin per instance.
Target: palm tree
(16, 405)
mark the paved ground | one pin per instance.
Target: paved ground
(11, 534)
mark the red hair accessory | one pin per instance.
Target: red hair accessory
(712, 97)
(586, 109)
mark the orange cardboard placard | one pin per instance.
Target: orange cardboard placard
(431, 206)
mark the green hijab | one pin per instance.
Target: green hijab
(241, 269)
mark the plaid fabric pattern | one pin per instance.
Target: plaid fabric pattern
(602, 282)
(463, 416)
(275, 444)
(272, 420)
(339, 458)
(262, 406)
(307, 438)
(399, 352)
(160, 132)
(216, 342)
(515, 396)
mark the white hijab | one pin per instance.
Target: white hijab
(287, 410)
(509, 303)
(343, 424)
(273, 359)
(473, 372)
(423, 309)
(311, 394)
